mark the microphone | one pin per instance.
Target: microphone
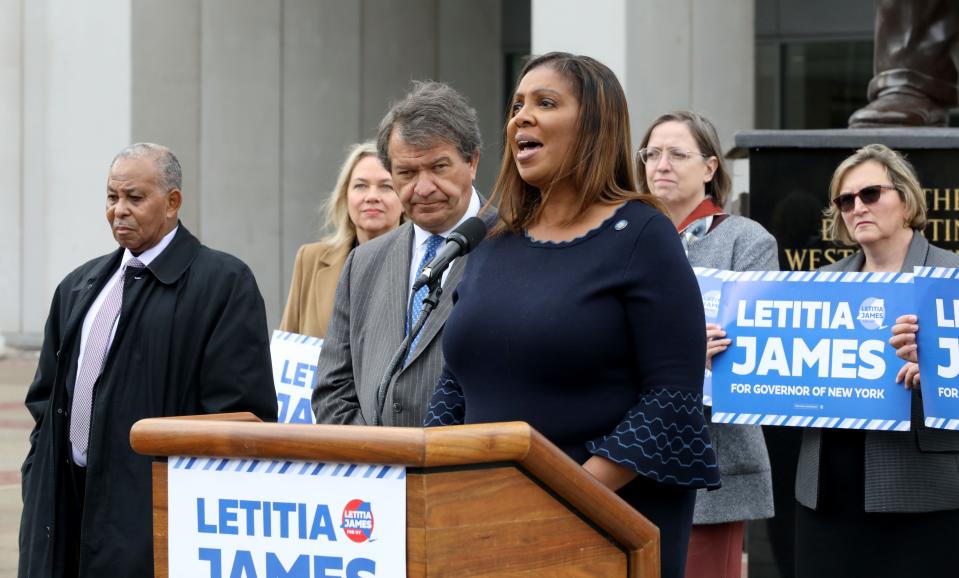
(460, 242)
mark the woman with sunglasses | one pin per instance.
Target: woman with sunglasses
(879, 503)
(579, 314)
(681, 165)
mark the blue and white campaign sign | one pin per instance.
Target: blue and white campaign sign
(811, 349)
(243, 518)
(937, 305)
(294, 372)
(710, 286)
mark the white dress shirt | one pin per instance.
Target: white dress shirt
(420, 236)
(146, 258)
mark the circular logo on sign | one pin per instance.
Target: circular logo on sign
(711, 304)
(872, 313)
(357, 521)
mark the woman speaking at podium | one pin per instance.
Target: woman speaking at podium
(580, 314)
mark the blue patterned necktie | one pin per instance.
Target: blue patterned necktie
(432, 245)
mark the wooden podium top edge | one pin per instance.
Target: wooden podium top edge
(517, 442)
(222, 436)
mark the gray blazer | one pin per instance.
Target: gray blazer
(914, 471)
(366, 328)
(737, 244)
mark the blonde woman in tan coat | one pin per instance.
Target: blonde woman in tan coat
(361, 207)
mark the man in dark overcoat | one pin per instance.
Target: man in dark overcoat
(162, 326)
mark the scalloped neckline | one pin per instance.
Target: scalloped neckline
(587, 235)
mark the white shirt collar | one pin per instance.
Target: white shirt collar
(420, 235)
(153, 252)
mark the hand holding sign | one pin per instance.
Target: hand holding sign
(904, 340)
(711, 286)
(904, 337)
(909, 375)
(716, 343)
(809, 349)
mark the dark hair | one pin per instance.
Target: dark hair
(431, 112)
(704, 133)
(598, 162)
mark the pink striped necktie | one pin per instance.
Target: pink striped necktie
(94, 355)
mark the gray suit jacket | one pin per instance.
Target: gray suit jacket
(366, 328)
(914, 471)
(737, 244)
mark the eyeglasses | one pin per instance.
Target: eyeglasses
(653, 154)
(846, 202)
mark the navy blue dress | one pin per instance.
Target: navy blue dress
(598, 343)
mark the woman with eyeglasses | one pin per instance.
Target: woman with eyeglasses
(579, 314)
(879, 503)
(681, 165)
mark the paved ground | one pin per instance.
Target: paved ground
(16, 372)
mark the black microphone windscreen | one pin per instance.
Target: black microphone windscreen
(473, 230)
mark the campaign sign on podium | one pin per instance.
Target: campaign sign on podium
(810, 349)
(937, 305)
(250, 518)
(294, 373)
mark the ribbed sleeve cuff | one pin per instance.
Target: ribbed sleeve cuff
(447, 406)
(664, 438)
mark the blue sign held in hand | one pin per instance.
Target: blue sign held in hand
(810, 349)
(937, 306)
(711, 287)
(294, 373)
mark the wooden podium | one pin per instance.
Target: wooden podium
(482, 500)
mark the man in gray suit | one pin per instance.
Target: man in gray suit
(430, 143)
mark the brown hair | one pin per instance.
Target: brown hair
(598, 162)
(900, 172)
(704, 133)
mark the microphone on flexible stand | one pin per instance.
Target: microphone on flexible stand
(461, 241)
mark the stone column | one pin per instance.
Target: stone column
(669, 54)
(75, 117)
(11, 119)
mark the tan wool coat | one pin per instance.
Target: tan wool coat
(315, 274)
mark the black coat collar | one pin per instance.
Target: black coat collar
(168, 267)
(174, 261)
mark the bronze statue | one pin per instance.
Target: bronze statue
(916, 57)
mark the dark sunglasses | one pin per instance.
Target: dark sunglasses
(868, 195)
